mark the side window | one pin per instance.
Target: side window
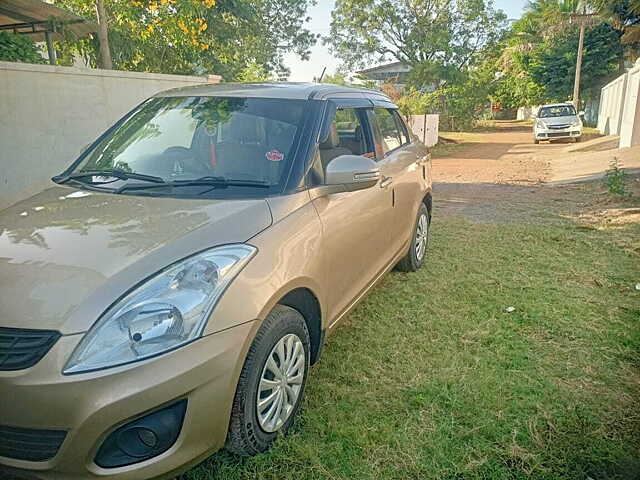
(347, 136)
(386, 130)
(402, 127)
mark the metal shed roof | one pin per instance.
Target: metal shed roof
(32, 16)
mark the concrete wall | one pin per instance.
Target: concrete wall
(527, 113)
(426, 128)
(611, 106)
(48, 113)
(630, 124)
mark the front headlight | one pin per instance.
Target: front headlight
(168, 310)
(540, 124)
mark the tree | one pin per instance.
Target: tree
(538, 59)
(227, 37)
(553, 65)
(103, 36)
(337, 79)
(341, 78)
(438, 38)
(623, 15)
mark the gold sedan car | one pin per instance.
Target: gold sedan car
(166, 298)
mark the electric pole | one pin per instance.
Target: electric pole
(582, 19)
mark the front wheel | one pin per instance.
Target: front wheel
(271, 384)
(415, 257)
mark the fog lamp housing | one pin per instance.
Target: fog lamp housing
(143, 438)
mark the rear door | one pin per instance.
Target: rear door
(401, 166)
(355, 224)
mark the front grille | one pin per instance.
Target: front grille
(559, 127)
(558, 134)
(22, 348)
(30, 445)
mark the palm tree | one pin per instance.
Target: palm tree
(623, 15)
(553, 16)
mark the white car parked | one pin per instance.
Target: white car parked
(557, 121)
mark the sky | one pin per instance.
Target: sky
(304, 71)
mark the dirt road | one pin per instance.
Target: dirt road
(501, 175)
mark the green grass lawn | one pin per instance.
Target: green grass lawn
(430, 378)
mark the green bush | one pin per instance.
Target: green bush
(18, 48)
(459, 106)
(615, 179)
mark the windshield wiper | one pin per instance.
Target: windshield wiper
(215, 182)
(116, 173)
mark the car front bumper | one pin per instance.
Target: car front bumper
(89, 406)
(552, 134)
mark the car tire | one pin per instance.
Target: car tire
(251, 433)
(578, 139)
(537, 142)
(415, 257)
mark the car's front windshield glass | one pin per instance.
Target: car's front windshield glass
(557, 111)
(236, 143)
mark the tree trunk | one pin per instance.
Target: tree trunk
(103, 37)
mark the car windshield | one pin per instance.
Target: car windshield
(557, 111)
(244, 143)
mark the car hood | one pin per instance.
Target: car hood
(559, 120)
(67, 254)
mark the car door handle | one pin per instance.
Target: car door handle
(386, 182)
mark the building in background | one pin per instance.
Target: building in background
(396, 73)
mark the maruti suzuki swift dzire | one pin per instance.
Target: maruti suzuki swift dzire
(167, 295)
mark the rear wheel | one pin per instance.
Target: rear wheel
(271, 384)
(415, 257)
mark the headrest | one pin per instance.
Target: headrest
(333, 140)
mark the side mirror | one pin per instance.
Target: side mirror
(349, 173)
(581, 114)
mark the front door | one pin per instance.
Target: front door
(403, 168)
(356, 225)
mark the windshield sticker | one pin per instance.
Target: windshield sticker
(275, 156)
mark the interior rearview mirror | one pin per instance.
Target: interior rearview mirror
(349, 173)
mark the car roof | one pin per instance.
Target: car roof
(283, 90)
